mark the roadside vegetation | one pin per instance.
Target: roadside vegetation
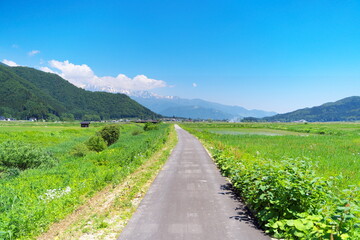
(301, 181)
(52, 168)
(105, 215)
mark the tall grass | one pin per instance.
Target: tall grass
(332, 156)
(36, 198)
(291, 182)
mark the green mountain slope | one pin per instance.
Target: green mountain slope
(347, 109)
(20, 98)
(27, 92)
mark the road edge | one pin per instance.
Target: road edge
(105, 215)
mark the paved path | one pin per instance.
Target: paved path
(189, 200)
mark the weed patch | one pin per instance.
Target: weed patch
(19, 155)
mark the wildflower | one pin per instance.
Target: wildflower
(52, 194)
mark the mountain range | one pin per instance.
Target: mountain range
(29, 93)
(347, 109)
(193, 108)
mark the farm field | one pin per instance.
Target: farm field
(273, 164)
(33, 198)
(252, 131)
(334, 153)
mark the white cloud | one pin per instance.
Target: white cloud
(33, 53)
(194, 85)
(9, 63)
(83, 76)
(46, 69)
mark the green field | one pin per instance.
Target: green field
(333, 155)
(55, 137)
(283, 170)
(31, 199)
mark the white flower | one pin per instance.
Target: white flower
(51, 194)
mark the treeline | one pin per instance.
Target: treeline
(347, 109)
(29, 93)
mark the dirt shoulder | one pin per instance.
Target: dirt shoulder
(105, 215)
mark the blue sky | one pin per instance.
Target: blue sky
(269, 55)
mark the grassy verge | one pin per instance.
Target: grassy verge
(34, 199)
(105, 215)
(290, 199)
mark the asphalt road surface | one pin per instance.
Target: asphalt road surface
(189, 199)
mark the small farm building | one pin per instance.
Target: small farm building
(85, 124)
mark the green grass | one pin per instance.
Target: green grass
(333, 155)
(292, 181)
(348, 128)
(55, 137)
(30, 202)
(123, 204)
(252, 131)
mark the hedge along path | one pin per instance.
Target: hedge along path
(105, 215)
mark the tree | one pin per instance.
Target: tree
(110, 134)
(67, 117)
(250, 119)
(51, 117)
(91, 117)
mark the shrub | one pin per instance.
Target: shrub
(289, 200)
(14, 154)
(96, 143)
(150, 126)
(110, 134)
(80, 150)
(10, 173)
(136, 132)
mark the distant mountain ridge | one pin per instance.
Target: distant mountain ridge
(347, 109)
(196, 112)
(173, 106)
(194, 108)
(27, 92)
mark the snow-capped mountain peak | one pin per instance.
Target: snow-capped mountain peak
(130, 93)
